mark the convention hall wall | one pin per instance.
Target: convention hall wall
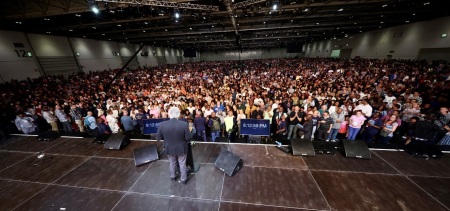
(407, 41)
(31, 55)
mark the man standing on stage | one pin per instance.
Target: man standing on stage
(176, 135)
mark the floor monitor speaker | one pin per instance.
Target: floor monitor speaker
(145, 154)
(302, 147)
(228, 162)
(117, 142)
(356, 149)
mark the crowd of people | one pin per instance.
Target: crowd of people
(311, 98)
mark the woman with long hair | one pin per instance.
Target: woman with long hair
(388, 129)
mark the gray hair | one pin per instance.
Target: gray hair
(174, 112)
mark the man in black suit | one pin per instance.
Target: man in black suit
(176, 135)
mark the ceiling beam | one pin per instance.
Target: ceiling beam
(165, 4)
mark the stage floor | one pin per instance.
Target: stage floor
(76, 174)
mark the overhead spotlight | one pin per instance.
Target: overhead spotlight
(384, 5)
(177, 14)
(275, 5)
(95, 9)
(340, 10)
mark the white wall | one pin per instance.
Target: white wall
(406, 43)
(46, 45)
(96, 55)
(247, 54)
(150, 60)
(11, 65)
(126, 50)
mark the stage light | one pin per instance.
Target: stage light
(95, 9)
(177, 15)
(275, 7)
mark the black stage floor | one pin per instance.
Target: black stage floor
(76, 174)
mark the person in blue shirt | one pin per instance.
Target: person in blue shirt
(127, 122)
(91, 124)
(140, 117)
(373, 127)
(102, 127)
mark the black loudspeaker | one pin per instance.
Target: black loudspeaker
(48, 136)
(221, 139)
(324, 148)
(302, 147)
(145, 154)
(356, 149)
(117, 141)
(229, 163)
(101, 139)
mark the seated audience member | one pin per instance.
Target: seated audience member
(355, 123)
(24, 123)
(102, 127)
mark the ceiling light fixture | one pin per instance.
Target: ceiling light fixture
(95, 9)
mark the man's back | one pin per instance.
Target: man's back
(175, 134)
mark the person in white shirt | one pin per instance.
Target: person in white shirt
(388, 99)
(208, 110)
(365, 108)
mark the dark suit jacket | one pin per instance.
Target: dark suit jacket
(176, 135)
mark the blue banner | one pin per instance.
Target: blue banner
(257, 127)
(151, 125)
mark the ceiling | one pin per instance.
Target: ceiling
(215, 24)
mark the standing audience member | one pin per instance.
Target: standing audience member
(77, 117)
(127, 122)
(112, 122)
(338, 118)
(50, 118)
(295, 118)
(200, 125)
(355, 123)
(65, 121)
(91, 124)
(388, 129)
(214, 125)
(324, 128)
